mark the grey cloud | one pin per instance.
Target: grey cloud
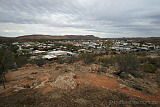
(105, 16)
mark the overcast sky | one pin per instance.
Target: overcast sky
(102, 18)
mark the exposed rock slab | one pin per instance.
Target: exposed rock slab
(66, 81)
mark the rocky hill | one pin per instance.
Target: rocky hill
(72, 85)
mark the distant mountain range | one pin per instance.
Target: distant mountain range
(39, 36)
(135, 38)
(1, 37)
(52, 37)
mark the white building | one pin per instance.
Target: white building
(61, 53)
(49, 57)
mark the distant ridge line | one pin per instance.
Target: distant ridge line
(57, 37)
(41, 36)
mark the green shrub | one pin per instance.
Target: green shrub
(142, 53)
(148, 60)
(71, 59)
(7, 58)
(155, 61)
(21, 60)
(39, 62)
(150, 68)
(127, 62)
(144, 60)
(136, 74)
(137, 87)
(102, 70)
(124, 75)
(88, 58)
(106, 61)
(61, 60)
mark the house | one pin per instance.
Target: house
(57, 53)
(61, 53)
(37, 52)
(49, 57)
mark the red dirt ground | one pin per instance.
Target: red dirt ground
(113, 84)
(83, 79)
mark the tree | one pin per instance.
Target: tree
(109, 43)
(2, 76)
(126, 63)
(6, 61)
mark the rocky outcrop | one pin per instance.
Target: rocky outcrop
(66, 81)
(43, 77)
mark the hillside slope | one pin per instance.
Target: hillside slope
(67, 85)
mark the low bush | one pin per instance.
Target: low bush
(124, 75)
(106, 61)
(38, 62)
(150, 68)
(127, 63)
(21, 60)
(137, 87)
(88, 58)
(71, 59)
(61, 60)
(136, 74)
(102, 70)
(155, 62)
(148, 60)
(144, 60)
(142, 53)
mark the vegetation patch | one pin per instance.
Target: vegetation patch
(81, 101)
(149, 68)
(55, 95)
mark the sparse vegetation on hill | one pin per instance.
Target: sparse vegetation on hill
(133, 71)
(127, 63)
(88, 58)
(83, 97)
(21, 60)
(95, 78)
(150, 68)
